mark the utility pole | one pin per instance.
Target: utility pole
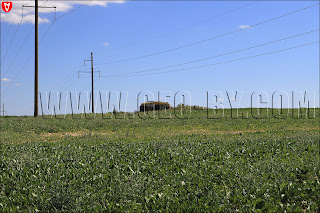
(2, 110)
(92, 82)
(36, 56)
(36, 64)
(92, 96)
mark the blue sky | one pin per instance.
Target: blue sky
(118, 31)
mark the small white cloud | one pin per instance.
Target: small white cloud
(5, 79)
(18, 84)
(15, 18)
(242, 27)
(106, 44)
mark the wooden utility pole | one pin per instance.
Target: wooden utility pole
(36, 55)
(92, 83)
(36, 65)
(92, 96)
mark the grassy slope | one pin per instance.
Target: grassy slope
(195, 164)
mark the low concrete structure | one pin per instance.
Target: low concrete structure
(150, 106)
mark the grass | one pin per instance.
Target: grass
(175, 165)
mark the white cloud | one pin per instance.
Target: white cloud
(15, 15)
(242, 27)
(5, 79)
(18, 84)
(106, 44)
(14, 18)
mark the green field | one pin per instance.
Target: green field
(165, 165)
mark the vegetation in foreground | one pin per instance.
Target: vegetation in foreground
(175, 165)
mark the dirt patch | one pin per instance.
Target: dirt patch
(224, 132)
(196, 131)
(241, 131)
(263, 130)
(74, 134)
(48, 136)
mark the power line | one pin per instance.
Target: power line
(11, 27)
(39, 43)
(13, 37)
(72, 82)
(4, 39)
(27, 59)
(71, 11)
(61, 104)
(174, 65)
(27, 4)
(15, 57)
(16, 34)
(72, 72)
(224, 62)
(56, 18)
(45, 35)
(190, 26)
(211, 57)
(75, 81)
(208, 39)
(239, 59)
(72, 76)
(17, 75)
(86, 87)
(75, 74)
(68, 76)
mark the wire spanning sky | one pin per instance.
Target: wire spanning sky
(117, 31)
